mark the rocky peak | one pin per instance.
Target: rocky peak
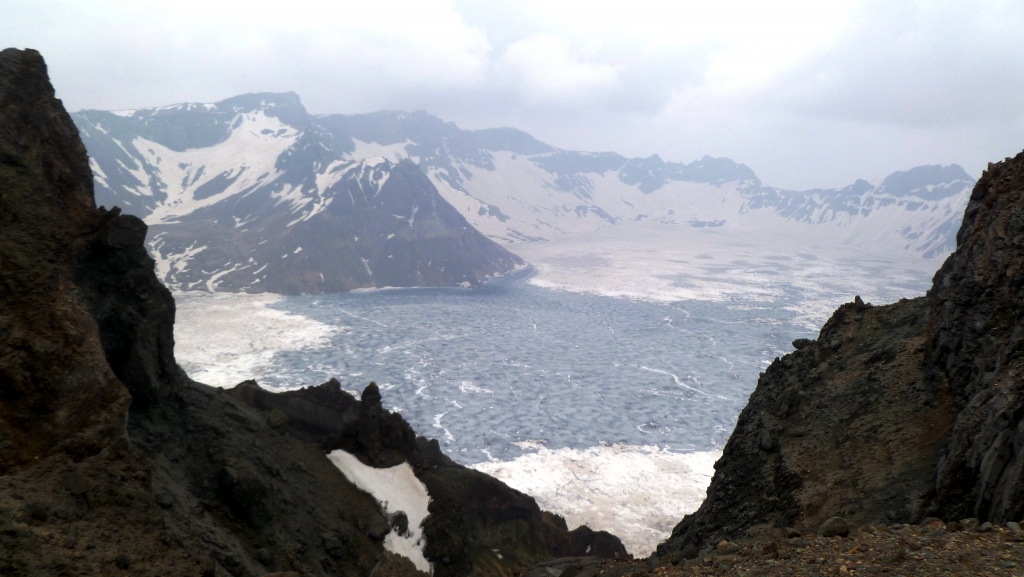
(976, 343)
(84, 319)
(57, 393)
(930, 182)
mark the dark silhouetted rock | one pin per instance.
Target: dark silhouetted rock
(391, 565)
(802, 343)
(834, 527)
(467, 507)
(378, 527)
(400, 522)
(58, 393)
(277, 419)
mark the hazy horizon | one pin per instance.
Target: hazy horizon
(807, 95)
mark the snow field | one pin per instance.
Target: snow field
(397, 489)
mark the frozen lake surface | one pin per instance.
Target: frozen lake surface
(610, 410)
(485, 370)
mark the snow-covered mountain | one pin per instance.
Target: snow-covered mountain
(515, 188)
(253, 193)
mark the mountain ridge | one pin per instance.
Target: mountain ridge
(239, 161)
(232, 219)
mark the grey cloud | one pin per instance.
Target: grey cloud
(905, 84)
(917, 65)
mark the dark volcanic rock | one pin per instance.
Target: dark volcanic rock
(56, 393)
(135, 313)
(400, 522)
(895, 412)
(833, 429)
(391, 565)
(833, 527)
(471, 514)
(977, 343)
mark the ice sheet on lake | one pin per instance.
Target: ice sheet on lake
(682, 263)
(637, 493)
(224, 339)
(397, 489)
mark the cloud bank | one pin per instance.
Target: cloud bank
(809, 94)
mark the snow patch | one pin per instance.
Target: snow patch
(247, 158)
(393, 153)
(397, 489)
(214, 280)
(168, 266)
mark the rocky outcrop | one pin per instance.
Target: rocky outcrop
(476, 522)
(977, 342)
(56, 392)
(895, 412)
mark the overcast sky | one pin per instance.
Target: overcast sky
(807, 93)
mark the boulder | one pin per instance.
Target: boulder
(834, 527)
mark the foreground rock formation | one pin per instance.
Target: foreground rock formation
(113, 460)
(895, 412)
(476, 522)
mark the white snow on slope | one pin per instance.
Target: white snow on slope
(169, 265)
(224, 339)
(637, 493)
(248, 156)
(397, 489)
(531, 206)
(393, 153)
(330, 175)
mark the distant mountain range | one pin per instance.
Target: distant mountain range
(253, 193)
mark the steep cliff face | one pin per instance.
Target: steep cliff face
(894, 412)
(56, 391)
(977, 343)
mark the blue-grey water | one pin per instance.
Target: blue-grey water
(480, 369)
